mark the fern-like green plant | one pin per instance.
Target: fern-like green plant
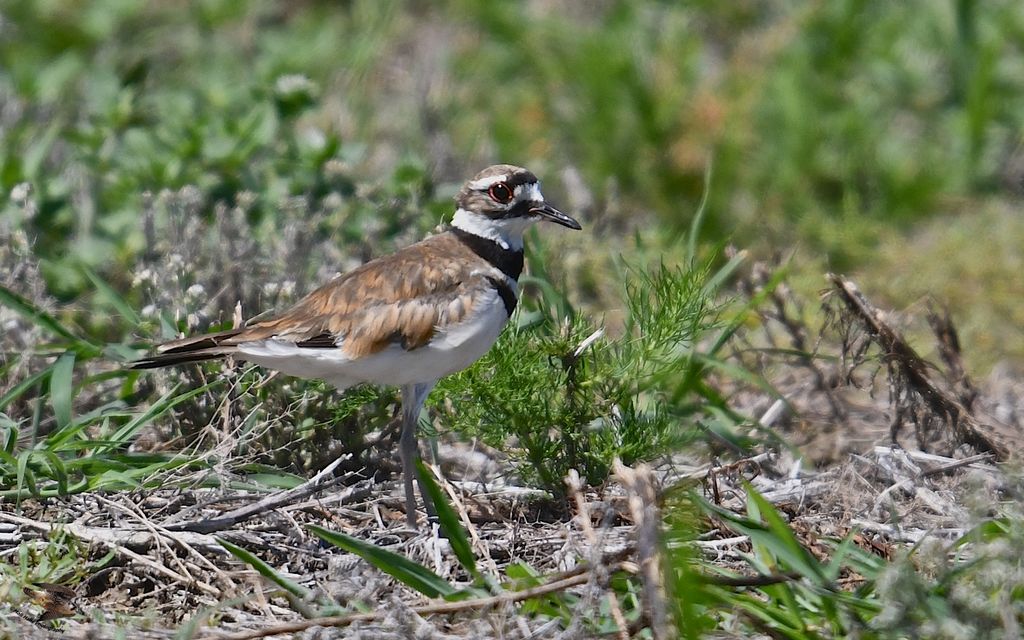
(558, 393)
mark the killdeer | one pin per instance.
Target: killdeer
(405, 319)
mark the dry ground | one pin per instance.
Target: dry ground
(838, 471)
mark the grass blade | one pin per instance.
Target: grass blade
(11, 439)
(62, 440)
(698, 218)
(62, 388)
(25, 475)
(740, 317)
(409, 573)
(166, 402)
(56, 471)
(107, 293)
(449, 520)
(724, 273)
(265, 570)
(785, 545)
(34, 314)
(15, 392)
(773, 535)
(113, 480)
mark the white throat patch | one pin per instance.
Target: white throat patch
(507, 232)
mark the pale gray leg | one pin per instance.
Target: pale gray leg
(413, 397)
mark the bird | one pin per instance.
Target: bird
(405, 319)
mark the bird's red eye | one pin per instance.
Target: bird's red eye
(500, 193)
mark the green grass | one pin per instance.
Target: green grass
(159, 164)
(573, 398)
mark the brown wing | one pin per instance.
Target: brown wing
(400, 298)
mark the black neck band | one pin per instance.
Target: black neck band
(508, 261)
(505, 292)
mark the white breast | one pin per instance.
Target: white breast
(451, 349)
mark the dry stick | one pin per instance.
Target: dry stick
(120, 540)
(232, 392)
(575, 487)
(643, 506)
(753, 581)
(159, 535)
(897, 351)
(273, 501)
(798, 337)
(430, 609)
(949, 350)
(937, 463)
(956, 464)
(170, 573)
(134, 539)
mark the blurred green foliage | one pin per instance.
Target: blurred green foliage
(852, 113)
(109, 102)
(827, 119)
(161, 161)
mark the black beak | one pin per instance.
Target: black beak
(548, 212)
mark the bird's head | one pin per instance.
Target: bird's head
(501, 202)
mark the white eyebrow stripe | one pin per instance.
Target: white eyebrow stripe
(486, 183)
(529, 192)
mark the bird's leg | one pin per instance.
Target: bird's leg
(413, 397)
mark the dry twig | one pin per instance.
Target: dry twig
(643, 506)
(905, 364)
(430, 609)
(575, 485)
(276, 500)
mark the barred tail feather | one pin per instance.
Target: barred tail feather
(196, 349)
(170, 359)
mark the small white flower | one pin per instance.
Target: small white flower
(295, 83)
(246, 199)
(142, 277)
(314, 137)
(335, 168)
(21, 192)
(190, 194)
(332, 201)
